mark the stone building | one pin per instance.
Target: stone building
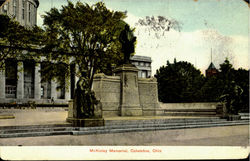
(20, 82)
(143, 63)
(24, 11)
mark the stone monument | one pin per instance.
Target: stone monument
(121, 95)
(130, 103)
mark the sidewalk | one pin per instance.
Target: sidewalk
(33, 116)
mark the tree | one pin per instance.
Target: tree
(87, 36)
(179, 82)
(229, 86)
(11, 35)
(227, 75)
(235, 88)
(18, 42)
(242, 80)
(211, 89)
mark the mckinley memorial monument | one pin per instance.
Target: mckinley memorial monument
(123, 94)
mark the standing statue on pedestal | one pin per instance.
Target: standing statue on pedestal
(127, 40)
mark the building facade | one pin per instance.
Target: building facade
(143, 63)
(20, 81)
(24, 11)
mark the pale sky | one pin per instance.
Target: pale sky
(218, 24)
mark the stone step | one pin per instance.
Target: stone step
(176, 113)
(26, 130)
(157, 121)
(190, 110)
(27, 105)
(35, 126)
(152, 125)
(114, 129)
(247, 115)
(48, 128)
(34, 134)
(63, 127)
(245, 118)
(244, 114)
(118, 122)
(139, 129)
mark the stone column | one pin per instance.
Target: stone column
(67, 90)
(20, 80)
(2, 84)
(37, 81)
(130, 102)
(53, 90)
(139, 74)
(149, 73)
(76, 80)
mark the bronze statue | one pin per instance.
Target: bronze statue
(127, 40)
(84, 99)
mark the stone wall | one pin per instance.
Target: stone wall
(110, 90)
(107, 90)
(196, 105)
(189, 109)
(148, 94)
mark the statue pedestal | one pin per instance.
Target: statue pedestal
(97, 120)
(130, 102)
(87, 122)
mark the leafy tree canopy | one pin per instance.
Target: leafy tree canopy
(235, 93)
(17, 41)
(87, 36)
(178, 82)
(181, 82)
